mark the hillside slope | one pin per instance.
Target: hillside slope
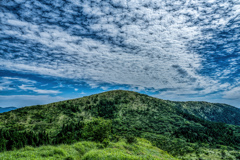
(142, 150)
(216, 112)
(161, 122)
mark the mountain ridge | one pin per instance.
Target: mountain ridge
(219, 109)
(6, 109)
(162, 122)
(216, 112)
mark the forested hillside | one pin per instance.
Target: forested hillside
(116, 115)
(217, 112)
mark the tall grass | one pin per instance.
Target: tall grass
(141, 150)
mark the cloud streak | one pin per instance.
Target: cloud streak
(40, 91)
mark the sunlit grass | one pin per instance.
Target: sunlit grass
(90, 151)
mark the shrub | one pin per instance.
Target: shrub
(106, 142)
(130, 139)
(69, 158)
(97, 129)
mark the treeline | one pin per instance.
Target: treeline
(208, 132)
(96, 129)
(10, 139)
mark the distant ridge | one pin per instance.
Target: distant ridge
(216, 112)
(6, 109)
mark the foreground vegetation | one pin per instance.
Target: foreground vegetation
(105, 118)
(86, 150)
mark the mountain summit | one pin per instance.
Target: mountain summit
(184, 129)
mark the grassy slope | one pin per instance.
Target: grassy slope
(132, 112)
(90, 151)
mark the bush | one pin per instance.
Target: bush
(69, 158)
(130, 139)
(97, 129)
(106, 142)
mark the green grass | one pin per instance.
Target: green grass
(212, 154)
(142, 150)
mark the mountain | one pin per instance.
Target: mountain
(175, 127)
(216, 112)
(6, 109)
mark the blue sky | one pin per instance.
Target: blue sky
(178, 50)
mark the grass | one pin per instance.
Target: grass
(212, 154)
(86, 150)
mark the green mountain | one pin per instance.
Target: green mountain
(175, 127)
(216, 112)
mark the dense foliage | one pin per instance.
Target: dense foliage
(14, 139)
(216, 112)
(121, 114)
(96, 130)
(209, 132)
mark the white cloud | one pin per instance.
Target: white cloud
(142, 44)
(24, 80)
(104, 88)
(232, 94)
(6, 84)
(40, 91)
(82, 93)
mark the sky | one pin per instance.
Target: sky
(181, 50)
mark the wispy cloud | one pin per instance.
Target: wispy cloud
(23, 84)
(19, 79)
(40, 91)
(10, 83)
(233, 93)
(82, 93)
